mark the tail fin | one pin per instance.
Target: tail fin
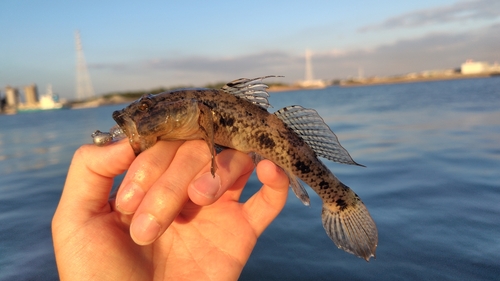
(351, 228)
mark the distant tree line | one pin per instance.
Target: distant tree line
(138, 93)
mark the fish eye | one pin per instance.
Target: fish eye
(144, 103)
(143, 106)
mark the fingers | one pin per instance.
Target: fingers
(265, 205)
(188, 175)
(164, 198)
(143, 173)
(232, 164)
(162, 179)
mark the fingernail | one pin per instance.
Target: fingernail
(207, 185)
(129, 198)
(144, 229)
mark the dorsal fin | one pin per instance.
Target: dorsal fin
(312, 129)
(250, 89)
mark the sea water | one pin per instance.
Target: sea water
(432, 184)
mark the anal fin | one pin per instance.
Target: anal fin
(298, 189)
(295, 184)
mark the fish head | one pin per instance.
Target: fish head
(134, 121)
(155, 117)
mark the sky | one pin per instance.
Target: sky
(141, 45)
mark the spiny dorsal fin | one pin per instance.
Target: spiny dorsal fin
(250, 89)
(312, 129)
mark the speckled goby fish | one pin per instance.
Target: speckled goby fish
(293, 137)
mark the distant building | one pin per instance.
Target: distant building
(474, 67)
(31, 94)
(11, 96)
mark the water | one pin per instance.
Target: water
(432, 185)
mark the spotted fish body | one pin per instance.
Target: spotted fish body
(236, 117)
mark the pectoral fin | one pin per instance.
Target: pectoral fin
(207, 128)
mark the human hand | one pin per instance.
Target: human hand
(197, 228)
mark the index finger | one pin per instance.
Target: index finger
(90, 176)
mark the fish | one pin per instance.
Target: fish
(236, 116)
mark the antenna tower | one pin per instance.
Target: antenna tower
(309, 71)
(84, 87)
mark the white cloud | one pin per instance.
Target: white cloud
(432, 51)
(459, 11)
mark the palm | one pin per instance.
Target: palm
(217, 237)
(93, 240)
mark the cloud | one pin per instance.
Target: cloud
(108, 66)
(459, 11)
(228, 65)
(198, 65)
(432, 51)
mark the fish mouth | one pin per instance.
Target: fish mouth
(123, 120)
(129, 128)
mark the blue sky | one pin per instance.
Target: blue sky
(132, 45)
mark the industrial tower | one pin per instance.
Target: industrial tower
(309, 70)
(84, 87)
(310, 82)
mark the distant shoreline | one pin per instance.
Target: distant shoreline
(405, 79)
(357, 82)
(119, 99)
(122, 99)
(284, 88)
